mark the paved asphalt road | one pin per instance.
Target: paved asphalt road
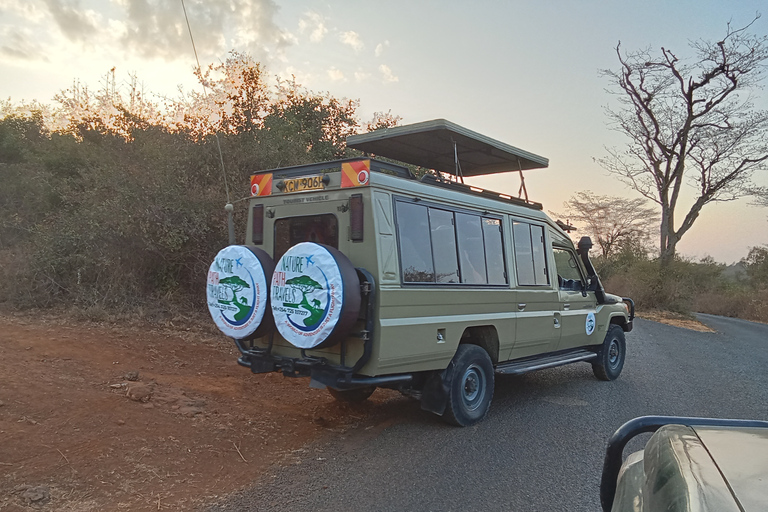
(542, 444)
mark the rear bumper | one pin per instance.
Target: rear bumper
(319, 370)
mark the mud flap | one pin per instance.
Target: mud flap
(434, 395)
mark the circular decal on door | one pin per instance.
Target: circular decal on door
(590, 323)
(307, 294)
(237, 291)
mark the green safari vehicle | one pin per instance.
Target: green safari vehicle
(357, 274)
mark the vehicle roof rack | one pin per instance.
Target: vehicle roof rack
(431, 179)
(446, 147)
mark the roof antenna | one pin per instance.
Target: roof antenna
(459, 174)
(522, 190)
(229, 207)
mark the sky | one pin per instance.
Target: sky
(525, 73)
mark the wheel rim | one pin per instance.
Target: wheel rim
(473, 387)
(614, 354)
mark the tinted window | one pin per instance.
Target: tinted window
(494, 253)
(523, 253)
(471, 253)
(530, 256)
(443, 246)
(539, 256)
(322, 229)
(414, 238)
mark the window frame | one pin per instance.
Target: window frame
(454, 210)
(575, 257)
(274, 230)
(547, 266)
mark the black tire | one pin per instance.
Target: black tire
(470, 386)
(352, 396)
(610, 357)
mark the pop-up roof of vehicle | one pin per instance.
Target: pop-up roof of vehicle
(438, 144)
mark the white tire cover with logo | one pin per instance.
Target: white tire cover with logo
(315, 295)
(237, 291)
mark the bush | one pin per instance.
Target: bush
(684, 286)
(120, 212)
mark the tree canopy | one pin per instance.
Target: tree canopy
(615, 223)
(689, 121)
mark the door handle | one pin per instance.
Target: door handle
(566, 307)
(520, 307)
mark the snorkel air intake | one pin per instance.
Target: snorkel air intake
(585, 244)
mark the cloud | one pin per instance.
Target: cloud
(313, 23)
(361, 76)
(335, 74)
(352, 39)
(380, 48)
(21, 46)
(387, 73)
(157, 28)
(74, 22)
(148, 29)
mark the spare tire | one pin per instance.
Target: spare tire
(238, 291)
(315, 295)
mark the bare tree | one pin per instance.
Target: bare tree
(690, 121)
(614, 222)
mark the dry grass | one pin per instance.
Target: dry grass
(675, 319)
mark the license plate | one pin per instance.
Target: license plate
(305, 183)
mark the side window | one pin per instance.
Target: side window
(568, 275)
(445, 247)
(414, 236)
(471, 250)
(494, 252)
(530, 254)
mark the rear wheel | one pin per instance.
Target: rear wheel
(352, 395)
(470, 386)
(610, 358)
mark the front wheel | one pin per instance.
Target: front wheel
(470, 386)
(355, 395)
(610, 358)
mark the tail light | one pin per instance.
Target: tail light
(257, 230)
(356, 217)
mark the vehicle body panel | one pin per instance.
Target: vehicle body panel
(696, 468)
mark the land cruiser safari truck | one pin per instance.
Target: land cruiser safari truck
(358, 275)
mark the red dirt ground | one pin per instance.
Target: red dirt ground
(77, 434)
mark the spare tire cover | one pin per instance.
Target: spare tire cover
(237, 291)
(315, 296)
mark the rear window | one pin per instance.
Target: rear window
(321, 229)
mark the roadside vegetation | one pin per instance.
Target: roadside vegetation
(685, 286)
(627, 261)
(113, 205)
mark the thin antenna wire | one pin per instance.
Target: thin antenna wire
(205, 94)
